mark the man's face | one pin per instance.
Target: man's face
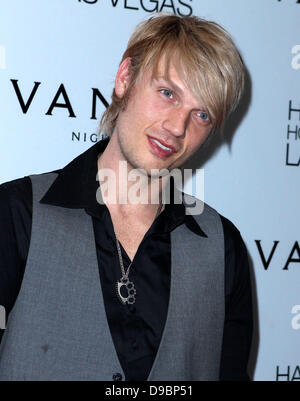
(163, 123)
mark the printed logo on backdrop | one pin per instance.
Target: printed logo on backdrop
(297, 1)
(287, 373)
(267, 254)
(60, 100)
(179, 7)
(292, 154)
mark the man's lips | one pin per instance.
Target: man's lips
(173, 150)
(158, 150)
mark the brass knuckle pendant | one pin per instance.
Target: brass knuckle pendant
(131, 291)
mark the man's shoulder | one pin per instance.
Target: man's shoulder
(15, 190)
(19, 190)
(15, 213)
(229, 228)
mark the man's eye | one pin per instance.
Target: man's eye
(167, 93)
(203, 115)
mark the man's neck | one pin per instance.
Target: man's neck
(140, 198)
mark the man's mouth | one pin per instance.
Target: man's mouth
(159, 148)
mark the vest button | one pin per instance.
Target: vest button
(117, 377)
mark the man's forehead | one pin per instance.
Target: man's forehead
(168, 72)
(175, 77)
(167, 67)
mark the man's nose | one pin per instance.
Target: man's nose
(176, 121)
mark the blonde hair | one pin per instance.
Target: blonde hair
(202, 51)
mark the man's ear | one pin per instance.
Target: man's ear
(123, 77)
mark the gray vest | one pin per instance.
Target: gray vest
(58, 329)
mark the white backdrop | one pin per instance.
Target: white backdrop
(70, 47)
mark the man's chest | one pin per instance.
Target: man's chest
(130, 234)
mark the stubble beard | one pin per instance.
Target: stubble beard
(127, 155)
(132, 160)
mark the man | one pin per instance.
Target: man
(98, 289)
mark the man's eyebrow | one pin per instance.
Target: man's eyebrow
(176, 88)
(169, 82)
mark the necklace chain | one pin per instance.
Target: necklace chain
(124, 274)
(124, 280)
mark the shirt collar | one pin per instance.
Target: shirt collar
(76, 185)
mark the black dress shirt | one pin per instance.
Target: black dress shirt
(136, 329)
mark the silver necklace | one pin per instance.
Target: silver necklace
(124, 280)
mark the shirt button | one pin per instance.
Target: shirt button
(117, 377)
